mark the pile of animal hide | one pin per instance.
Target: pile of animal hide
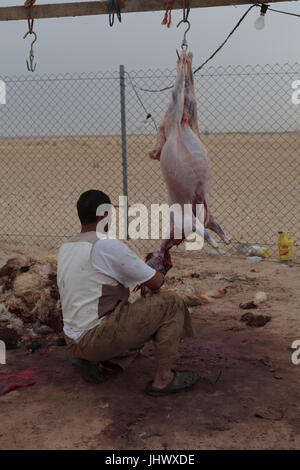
(29, 297)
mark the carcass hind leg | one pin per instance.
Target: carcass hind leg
(213, 225)
(202, 232)
(199, 210)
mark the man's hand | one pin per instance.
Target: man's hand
(155, 282)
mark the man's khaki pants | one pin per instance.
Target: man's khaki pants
(163, 317)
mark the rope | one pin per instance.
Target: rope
(224, 42)
(28, 4)
(111, 14)
(168, 14)
(148, 115)
(188, 9)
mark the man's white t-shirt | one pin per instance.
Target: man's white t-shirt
(88, 269)
(112, 257)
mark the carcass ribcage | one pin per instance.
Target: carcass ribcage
(184, 166)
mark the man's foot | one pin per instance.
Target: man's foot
(180, 381)
(89, 372)
(163, 380)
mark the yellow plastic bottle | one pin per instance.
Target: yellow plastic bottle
(285, 246)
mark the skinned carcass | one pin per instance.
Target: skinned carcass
(184, 164)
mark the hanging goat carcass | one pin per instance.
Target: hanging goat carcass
(184, 164)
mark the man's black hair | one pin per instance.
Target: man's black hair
(88, 203)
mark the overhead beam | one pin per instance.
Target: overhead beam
(60, 10)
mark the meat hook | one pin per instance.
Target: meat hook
(30, 66)
(184, 44)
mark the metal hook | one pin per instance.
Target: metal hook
(30, 66)
(29, 5)
(184, 44)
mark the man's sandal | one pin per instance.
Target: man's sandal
(89, 372)
(181, 381)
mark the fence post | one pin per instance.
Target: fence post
(124, 148)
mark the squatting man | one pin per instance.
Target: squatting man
(104, 331)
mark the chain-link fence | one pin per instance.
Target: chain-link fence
(61, 135)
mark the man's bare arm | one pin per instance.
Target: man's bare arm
(155, 282)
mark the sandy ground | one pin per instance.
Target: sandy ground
(248, 396)
(254, 192)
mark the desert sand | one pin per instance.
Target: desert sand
(254, 188)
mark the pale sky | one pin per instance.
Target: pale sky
(140, 42)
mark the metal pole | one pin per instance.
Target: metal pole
(124, 147)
